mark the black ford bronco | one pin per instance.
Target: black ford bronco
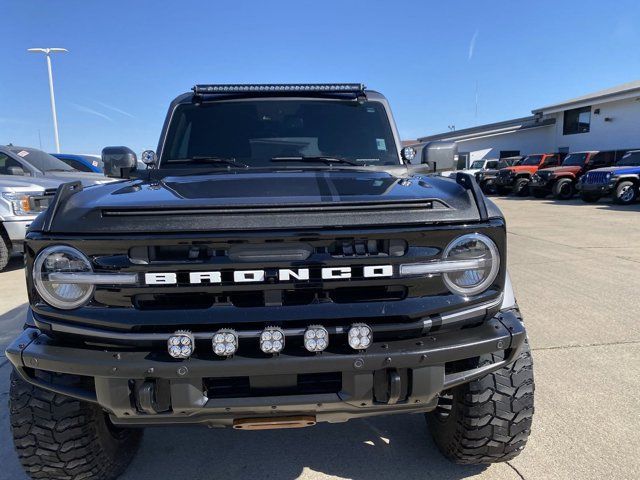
(279, 263)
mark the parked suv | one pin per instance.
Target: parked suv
(21, 201)
(487, 178)
(621, 181)
(561, 181)
(280, 265)
(516, 179)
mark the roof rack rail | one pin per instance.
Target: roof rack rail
(340, 90)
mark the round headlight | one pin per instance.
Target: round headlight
(62, 259)
(475, 247)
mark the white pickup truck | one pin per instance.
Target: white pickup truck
(476, 166)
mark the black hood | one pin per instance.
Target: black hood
(240, 200)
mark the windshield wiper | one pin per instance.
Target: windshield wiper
(229, 161)
(317, 159)
(214, 159)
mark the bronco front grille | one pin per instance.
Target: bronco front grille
(259, 298)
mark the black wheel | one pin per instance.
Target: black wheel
(521, 188)
(502, 190)
(4, 249)
(563, 189)
(489, 187)
(58, 437)
(626, 193)
(487, 420)
(538, 192)
(589, 198)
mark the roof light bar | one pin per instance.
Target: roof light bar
(357, 88)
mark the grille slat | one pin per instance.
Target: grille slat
(595, 178)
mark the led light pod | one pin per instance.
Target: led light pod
(272, 340)
(225, 342)
(360, 336)
(181, 344)
(316, 338)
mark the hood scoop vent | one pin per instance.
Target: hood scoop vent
(386, 206)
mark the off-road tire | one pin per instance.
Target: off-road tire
(5, 249)
(626, 193)
(588, 198)
(521, 188)
(563, 189)
(489, 188)
(487, 420)
(58, 437)
(503, 190)
(538, 192)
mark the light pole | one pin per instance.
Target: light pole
(48, 52)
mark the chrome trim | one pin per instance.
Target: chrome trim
(445, 266)
(94, 278)
(426, 323)
(469, 313)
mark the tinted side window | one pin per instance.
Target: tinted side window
(552, 161)
(492, 164)
(5, 162)
(602, 159)
(76, 165)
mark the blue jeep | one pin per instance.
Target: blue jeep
(621, 181)
(82, 163)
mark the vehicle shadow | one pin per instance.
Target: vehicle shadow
(11, 323)
(379, 448)
(16, 262)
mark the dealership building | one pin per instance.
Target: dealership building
(604, 120)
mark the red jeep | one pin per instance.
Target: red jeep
(561, 181)
(516, 179)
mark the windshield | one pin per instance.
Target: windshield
(477, 164)
(575, 160)
(531, 160)
(41, 160)
(253, 132)
(631, 159)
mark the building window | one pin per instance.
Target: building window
(577, 120)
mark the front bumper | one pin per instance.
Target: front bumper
(539, 183)
(143, 388)
(17, 229)
(505, 181)
(599, 189)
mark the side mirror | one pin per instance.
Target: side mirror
(149, 158)
(16, 171)
(119, 162)
(440, 155)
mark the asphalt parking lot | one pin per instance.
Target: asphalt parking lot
(575, 270)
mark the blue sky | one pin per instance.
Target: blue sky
(128, 59)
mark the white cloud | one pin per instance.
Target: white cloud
(115, 109)
(472, 44)
(91, 111)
